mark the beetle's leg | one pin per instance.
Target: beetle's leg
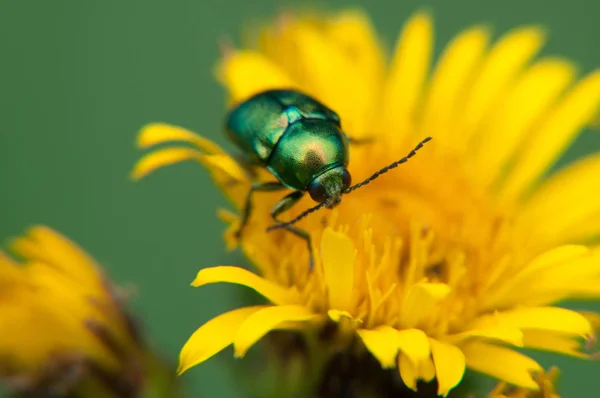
(248, 165)
(284, 205)
(259, 187)
(360, 141)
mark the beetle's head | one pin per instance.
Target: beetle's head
(328, 186)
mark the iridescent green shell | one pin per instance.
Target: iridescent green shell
(291, 134)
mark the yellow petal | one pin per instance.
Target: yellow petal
(409, 69)
(353, 32)
(501, 363)
(229, 274)
(326, 71)
(554, 257)
(585, 231)
(557, 273)
(552, 319)
(504, 61)
(556, 132)
(427, 370)
(508, 335)
(262, 322)
(579, 278)
(408, 371)
(246, 73)
(279, 43)
(554, 342)
(46, 245)
(548, 219)
(421, 299)
(449, 363)
(160, 133)
(552, 290)
(213, 337)
(226, 165)
(11, 273)
(414, 344)
(338, 255)
(516, 114)
(64, 292)
(382, 343)
(161, 158)
(229, 176)
(337, 315)
(449, 82)
(593, 318)
(558, 267)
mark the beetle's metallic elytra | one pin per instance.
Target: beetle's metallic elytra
(301, 142)
(296, 138)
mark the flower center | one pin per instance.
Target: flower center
(423, 223)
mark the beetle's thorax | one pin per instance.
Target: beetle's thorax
(308, 149)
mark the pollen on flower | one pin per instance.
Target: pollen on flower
(453, 259)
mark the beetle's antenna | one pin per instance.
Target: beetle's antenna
(296, 219)
(389, 167)
(352, 188)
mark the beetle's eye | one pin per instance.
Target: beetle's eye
(317, 191)
(346, 179)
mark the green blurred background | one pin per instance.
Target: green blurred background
(79, 78)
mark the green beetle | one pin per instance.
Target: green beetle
(301, 142)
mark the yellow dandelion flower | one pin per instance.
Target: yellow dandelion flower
(61, 324)
(451, 261)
